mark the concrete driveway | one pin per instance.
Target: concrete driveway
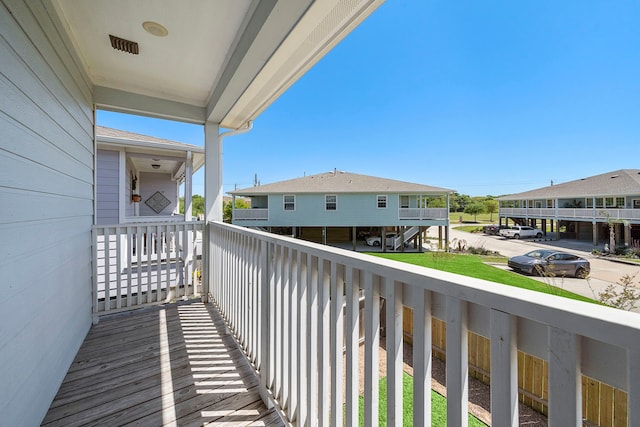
(603, 271)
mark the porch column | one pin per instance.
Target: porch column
(354, 238)
(594, 227)
(627, 234)
(212, 172)
(188, 189)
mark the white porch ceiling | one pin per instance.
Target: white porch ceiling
(223, 61)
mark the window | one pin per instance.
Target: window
(330, 202)
(404, 202)
(382, 202)
(289, 203)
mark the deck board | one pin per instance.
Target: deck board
(158, 366)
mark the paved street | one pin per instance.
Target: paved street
(603, 272)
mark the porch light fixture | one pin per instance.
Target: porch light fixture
(155, 29)
(124, 45)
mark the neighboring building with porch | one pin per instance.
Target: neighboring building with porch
(342, 207)
(138, 177)
(581, 209)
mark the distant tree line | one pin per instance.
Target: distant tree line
(473, 205)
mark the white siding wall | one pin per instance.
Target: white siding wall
(150, 183)
(107, 187)
(46, 211)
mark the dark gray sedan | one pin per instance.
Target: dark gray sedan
(545, 262)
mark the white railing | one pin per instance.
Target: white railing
(283, 300)
(251, 214)
(144, 263)
(423, 213)
(582, 213)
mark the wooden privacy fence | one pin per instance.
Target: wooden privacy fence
(602, 404)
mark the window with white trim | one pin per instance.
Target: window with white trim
(289, 203)
(330, 202)
(382, 202)
(404, 202)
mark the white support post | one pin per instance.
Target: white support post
(324, 349)
(393, 296)
(265, 354)
(504, 370)
(565, 384)
(371, 349)
(303, 336)
(337, 342)
(422, 357)
(213, 192)
(313, 294)
(188, 187)
(352, 345)
(457, 368)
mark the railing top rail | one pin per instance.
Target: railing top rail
(602, 323)
(143, 224)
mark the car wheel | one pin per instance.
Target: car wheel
(516, 236)
(582, 273)
(537, 271)
(539, 235)
(376, 243)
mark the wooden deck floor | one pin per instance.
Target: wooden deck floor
(172, 365)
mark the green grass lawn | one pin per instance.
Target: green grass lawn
(438, 406)
(474, 266)
(483, 218)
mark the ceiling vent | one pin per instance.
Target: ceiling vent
(124, 45)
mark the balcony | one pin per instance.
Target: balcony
(424, 213)
(293, 308)
(251, 214)
(598, 214)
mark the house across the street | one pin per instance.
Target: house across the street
(582, 209)
(343, 207)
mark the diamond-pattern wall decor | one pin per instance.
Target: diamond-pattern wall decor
(157, 202)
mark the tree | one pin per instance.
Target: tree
(490, 206)
(227, 211)
(458, 202)
(197, 205)
(474, 209)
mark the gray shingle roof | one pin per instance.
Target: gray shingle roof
(340, 182)
(617, 183)
(109, 134)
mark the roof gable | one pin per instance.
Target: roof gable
(340, 182)
(616, 183)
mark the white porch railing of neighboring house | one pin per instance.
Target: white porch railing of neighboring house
(144, 263)
(251, 214)
(578, 213)
(423, 213)
(292, 304)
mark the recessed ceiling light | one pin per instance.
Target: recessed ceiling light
(155, 166)
(155, 29)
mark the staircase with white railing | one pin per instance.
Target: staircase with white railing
(405, 236)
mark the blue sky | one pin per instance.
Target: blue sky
(483, 97)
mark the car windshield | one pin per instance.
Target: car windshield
(539, 254)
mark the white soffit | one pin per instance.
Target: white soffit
(182, 66)
(224, 61)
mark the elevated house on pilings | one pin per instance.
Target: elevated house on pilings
(340, 207)
(278, 320)
(583, 209)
